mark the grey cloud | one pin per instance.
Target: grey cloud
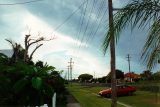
(55, 12)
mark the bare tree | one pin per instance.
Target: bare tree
(22, 53)
(30, 58)
(29, 41)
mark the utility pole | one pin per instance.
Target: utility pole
(94, 74)
(128, 59)
(94, 78)
(112, 55)
(70, 66)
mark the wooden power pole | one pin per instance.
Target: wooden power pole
(68, 67)
(113, 58)
(71, 66)
(129, 67)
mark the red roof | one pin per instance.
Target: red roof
(132, 75)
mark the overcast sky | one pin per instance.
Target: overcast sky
(80, 37)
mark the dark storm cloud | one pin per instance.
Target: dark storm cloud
(55, 12)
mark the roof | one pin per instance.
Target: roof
(132, 75)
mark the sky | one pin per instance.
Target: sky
(79, 28)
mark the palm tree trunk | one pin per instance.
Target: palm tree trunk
(113, 58)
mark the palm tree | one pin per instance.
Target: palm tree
(17, 50)
(112, 53)
(140, 13)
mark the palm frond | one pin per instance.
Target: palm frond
(151, 49)
(13, 44)
(139, 13)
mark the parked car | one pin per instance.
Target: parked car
(121, 90)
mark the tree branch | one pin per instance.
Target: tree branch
(34, 51)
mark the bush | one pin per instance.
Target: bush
(28, 85)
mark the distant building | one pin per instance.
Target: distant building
(131, 77)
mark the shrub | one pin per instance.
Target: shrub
(28, 85)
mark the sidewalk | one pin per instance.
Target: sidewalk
(72, 102)
(73, 105)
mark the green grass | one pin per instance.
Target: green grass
(142, 99)
(87, 97)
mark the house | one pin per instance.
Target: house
(131, 77)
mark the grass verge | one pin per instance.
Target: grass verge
(87, 97)
(142, 99)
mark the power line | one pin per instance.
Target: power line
(98, 14)
(88, 22)
(93, 35)
(69, 16)
(84, 35)
(82, 21)
(77, 33)
(81, 25)
(93, 32)
(20, 3)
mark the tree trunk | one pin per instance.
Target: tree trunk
(112, 54)
(26, 48)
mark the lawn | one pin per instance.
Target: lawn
(142, 99)
(87, 97)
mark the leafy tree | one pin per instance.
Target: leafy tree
(119, 75)
(23, 84)
(140, 13)
(103, 79)
(26, 84)
(39, 64)
(85, 77)
(146, 75)
(156, 76)
(57, 83)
